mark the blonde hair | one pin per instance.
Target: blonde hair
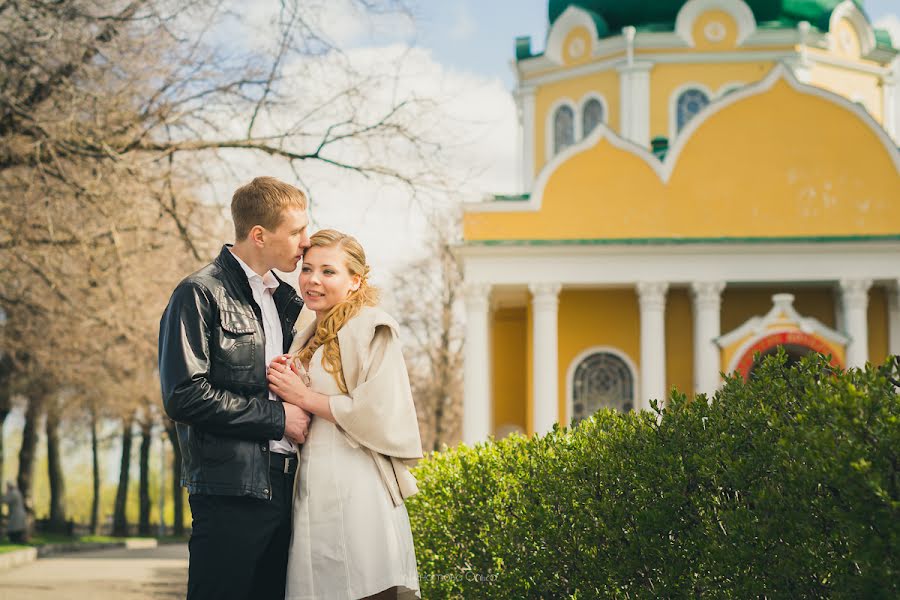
(328, 327)
(263, 202)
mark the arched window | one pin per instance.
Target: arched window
(690, 102)
(602, 379)
(563, 128)
(591, 116)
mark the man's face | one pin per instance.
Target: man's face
(285, 246)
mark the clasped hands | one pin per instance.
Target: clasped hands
(291, 384)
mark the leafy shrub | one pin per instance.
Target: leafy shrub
(786, 486)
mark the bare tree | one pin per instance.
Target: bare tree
(115, 117)
(427, 294)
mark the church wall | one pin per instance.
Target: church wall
(853, 85)
(878, 325)
(679, 341)
(667, 79)
(601, 317)
(576, 90)
(509, 368)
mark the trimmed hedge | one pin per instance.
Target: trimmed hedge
(785, 486)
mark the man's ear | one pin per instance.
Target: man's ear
(257, 235)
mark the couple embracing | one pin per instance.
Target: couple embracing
(296, 444)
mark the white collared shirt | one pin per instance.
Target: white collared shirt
(263, 287)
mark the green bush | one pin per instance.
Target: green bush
(785, 486)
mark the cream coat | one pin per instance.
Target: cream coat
(378, 412)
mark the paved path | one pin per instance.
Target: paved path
(115, 574)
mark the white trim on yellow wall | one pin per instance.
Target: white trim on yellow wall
(848, 10)
(664, 169)
(525, 102)
(570, 375)
(687, 16)
(570, 18)
(617, 265)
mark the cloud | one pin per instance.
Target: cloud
(892, 24)
(472, 118)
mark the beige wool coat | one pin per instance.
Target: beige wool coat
(377, 413)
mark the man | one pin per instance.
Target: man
(15, 524)
(222, 327)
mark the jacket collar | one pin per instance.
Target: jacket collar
(284, 296)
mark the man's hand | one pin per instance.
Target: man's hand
(296, 423)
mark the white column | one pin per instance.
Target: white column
(707, 303)
(634, 95)
(652, 301)
(476, 371)
(525, 100)
(890, 86)
(545, 368)
(894, 318)
(855, 298)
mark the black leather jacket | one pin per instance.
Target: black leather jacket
(213, 375)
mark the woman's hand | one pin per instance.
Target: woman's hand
(286, 380)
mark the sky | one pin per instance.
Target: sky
(479, 37)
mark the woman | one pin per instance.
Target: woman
(351, 537)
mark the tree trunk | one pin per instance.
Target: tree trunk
(25, 476)
(177, 492)
(6, 368)
(57, 522)
(146, 439)
(120, 519)
(95, 473)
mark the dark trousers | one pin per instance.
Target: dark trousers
(239, 545)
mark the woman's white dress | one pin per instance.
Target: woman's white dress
(349, 540)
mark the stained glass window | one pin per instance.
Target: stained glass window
(563, 129)
(591, 116)
(603, 379)
(690, 102)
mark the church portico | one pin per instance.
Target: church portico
(629, 335)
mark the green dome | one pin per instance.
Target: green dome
(660, 14)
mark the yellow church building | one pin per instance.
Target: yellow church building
(701, 181)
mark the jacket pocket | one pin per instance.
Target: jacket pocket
(238, 347)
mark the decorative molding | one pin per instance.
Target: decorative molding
(782, 309)
(623, 265)
(707, 294)
(652, 295)
(571, 18)
(855, 293)
(687, 16)
(848, 10)
(570, 374)
(544, 295)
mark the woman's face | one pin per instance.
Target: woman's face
(325, 279)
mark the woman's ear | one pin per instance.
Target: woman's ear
(356, 282)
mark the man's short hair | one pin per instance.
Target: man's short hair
(263, 202)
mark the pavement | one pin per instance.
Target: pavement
(112, 574)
